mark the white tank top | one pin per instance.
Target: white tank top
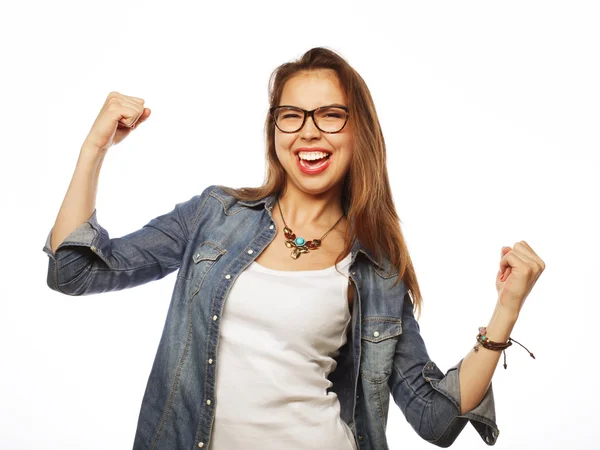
(280, 333)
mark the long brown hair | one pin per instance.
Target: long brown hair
(371, 212)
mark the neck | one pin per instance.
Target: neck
(301, 209)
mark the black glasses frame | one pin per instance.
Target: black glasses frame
(309, 114)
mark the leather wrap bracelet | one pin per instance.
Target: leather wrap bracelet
(484, 341)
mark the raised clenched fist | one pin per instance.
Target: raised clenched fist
(119, 115)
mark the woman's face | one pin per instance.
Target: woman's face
(310, 90)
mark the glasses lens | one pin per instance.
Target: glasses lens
(289, 119)
(331, 118)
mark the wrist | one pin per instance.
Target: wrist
(503, 313)
(93, 149)
(501, 324)
(91, 155)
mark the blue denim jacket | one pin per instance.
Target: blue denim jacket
(211, 238)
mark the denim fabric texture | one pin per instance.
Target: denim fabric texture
(210, 239)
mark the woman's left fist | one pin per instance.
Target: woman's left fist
(520, 267)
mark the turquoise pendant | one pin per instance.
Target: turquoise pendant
(299, 241)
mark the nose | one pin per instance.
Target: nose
(309, 130)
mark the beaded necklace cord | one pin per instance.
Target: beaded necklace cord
(298, 243)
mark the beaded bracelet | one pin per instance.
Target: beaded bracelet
(484, 341)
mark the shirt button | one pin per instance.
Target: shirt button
(200, 444)
(214, 317)
(210, 361)
(208, 402)
(271, 227)
(250, 252)
(360, 438)
(93, 248)
(376, 334)
(227, 277)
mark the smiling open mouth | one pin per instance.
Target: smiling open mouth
(313, 162)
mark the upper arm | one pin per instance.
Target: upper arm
(89, 261)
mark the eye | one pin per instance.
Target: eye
(290, 115)
(332, 113)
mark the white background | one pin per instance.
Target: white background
(490, 112)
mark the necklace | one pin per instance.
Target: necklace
(299, 244)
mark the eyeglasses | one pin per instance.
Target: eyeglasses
(328, 119)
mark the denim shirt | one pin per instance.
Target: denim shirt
(210, 239)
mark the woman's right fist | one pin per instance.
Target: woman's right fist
(119, 115)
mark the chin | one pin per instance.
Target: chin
(317, 187)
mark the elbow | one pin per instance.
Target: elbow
(441, 423)
(450, 433)
(61, 278)
(72, 288)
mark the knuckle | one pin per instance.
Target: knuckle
(136, 100)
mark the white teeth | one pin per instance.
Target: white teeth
(310, 156)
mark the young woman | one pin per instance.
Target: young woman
(292, 317)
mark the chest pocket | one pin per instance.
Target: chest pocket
(379, 337)
(203, 259)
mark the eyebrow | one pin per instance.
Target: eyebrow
(323, 106)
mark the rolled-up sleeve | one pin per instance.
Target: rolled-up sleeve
(88, 261)
(429, 399)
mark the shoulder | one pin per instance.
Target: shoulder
(227, 198)
(209, 191)
(193, 207)
(224, 219)
(219, 200)
(235, 200)
(216, 193)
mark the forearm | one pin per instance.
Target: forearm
(80, 200)
(477, 368)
